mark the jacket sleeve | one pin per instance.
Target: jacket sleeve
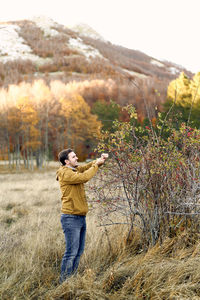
(71, 177)
(86, 166)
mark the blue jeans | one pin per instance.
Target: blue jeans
(74, 228)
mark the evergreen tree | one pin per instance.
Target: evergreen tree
(107, 113)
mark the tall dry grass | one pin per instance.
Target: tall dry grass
(32, 245)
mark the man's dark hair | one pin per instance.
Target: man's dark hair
(63, 155)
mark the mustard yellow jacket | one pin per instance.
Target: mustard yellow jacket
(72, 187)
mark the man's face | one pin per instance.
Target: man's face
(72, 160)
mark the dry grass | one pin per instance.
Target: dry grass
(32, 245)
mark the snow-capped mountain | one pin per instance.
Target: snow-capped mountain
(54, 48)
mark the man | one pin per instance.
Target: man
(74, 206)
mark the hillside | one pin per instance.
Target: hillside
(41, 48)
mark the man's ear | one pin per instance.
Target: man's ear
(66, 161)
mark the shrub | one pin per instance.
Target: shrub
(153, 182)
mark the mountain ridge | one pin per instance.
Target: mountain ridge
(40, 46)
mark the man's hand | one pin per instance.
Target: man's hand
(104, 155)
(100, 161)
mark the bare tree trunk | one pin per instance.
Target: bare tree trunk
(27, 155)
(18, 154)
(46, 142)
(31, 157)
(38, 153)
(8, 149)
(8, 142)
(24, 152)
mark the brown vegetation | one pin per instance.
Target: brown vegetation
(32, 245)
(41, 45)
(38, 120)
(16, 71)
(33, 122)
(95, 78)
(57, 56)
(131, 59)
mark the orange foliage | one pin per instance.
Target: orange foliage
(43, 118)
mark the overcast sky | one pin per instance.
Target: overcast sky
(164, 29)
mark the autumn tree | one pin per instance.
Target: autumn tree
(29, 133)
(13, 127)
(42, 96)
(183, 101)
(80, 123)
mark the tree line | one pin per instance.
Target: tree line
(38, 120)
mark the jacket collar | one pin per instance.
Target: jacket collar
(74, 169)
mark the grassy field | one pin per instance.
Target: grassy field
(32, 245)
